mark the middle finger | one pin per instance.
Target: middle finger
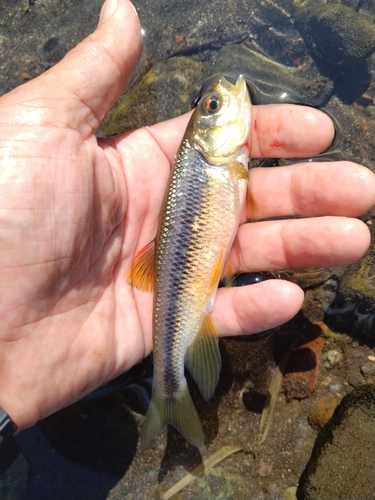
(313, 189)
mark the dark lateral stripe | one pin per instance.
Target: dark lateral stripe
(190, 183)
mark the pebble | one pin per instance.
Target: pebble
(335, 388)
(264, 469)
(290, 493)
(354, 380)
(323, 410)
(331, 358)
(368, 369)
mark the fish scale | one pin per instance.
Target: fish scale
(187, 256)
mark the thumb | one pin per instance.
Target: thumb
(81, 88)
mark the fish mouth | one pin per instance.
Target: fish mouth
(239, 88)
(240, 85)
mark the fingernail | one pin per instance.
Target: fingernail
(108, 9)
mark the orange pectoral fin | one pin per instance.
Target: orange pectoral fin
(216, 273)
(141, 273)
(229, 273)
(251, 204)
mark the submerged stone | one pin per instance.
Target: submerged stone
(336, 32)
(164, 92)
(342, 462)
(340, 40)
(270, 81)
(358, 282)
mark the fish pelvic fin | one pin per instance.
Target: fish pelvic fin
(178, 410)
(203, 359)
(141, 273)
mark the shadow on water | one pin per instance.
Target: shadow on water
(82, 451)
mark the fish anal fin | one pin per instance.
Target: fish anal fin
(251, 205)
(141, 273)
(178, 410)
(203, 359)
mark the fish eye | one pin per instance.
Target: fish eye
(211, 104)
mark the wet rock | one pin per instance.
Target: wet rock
(336, 33)
(164, 92)
(358, 282)
(290, 493)
(340, 40)
(355, 381)
(186, 28)
(306, 278)
(368, 369)
(270, 81)
(35, 35)
(323, 410)
(342, 463)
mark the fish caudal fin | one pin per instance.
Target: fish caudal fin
(203, 359)
(178, 410)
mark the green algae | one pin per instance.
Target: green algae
(222, 483)
(358, 282)
(164, 92)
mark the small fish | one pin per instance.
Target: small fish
(183, 265)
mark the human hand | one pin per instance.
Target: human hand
(74, 210)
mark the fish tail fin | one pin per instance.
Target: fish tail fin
(177, 410)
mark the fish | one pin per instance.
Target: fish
(201, 213)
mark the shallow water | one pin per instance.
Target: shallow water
(287, 54)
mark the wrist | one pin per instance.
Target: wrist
(7, 427)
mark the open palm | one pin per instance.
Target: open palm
(75, 210)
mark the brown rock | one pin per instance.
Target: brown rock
(302, 370)
(323, 410)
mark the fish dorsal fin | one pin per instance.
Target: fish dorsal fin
(203, 359)
(141, 273)
(251, 205)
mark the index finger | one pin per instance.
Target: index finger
(277, 131)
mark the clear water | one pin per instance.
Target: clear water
(294, 60)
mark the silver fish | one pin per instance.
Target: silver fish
(183, 265)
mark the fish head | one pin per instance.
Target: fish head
(220, 124)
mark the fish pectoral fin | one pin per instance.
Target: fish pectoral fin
(238, 171)
(141, 273)
(203, 359)
(178, 410)
(251, 204)
(229, 273)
